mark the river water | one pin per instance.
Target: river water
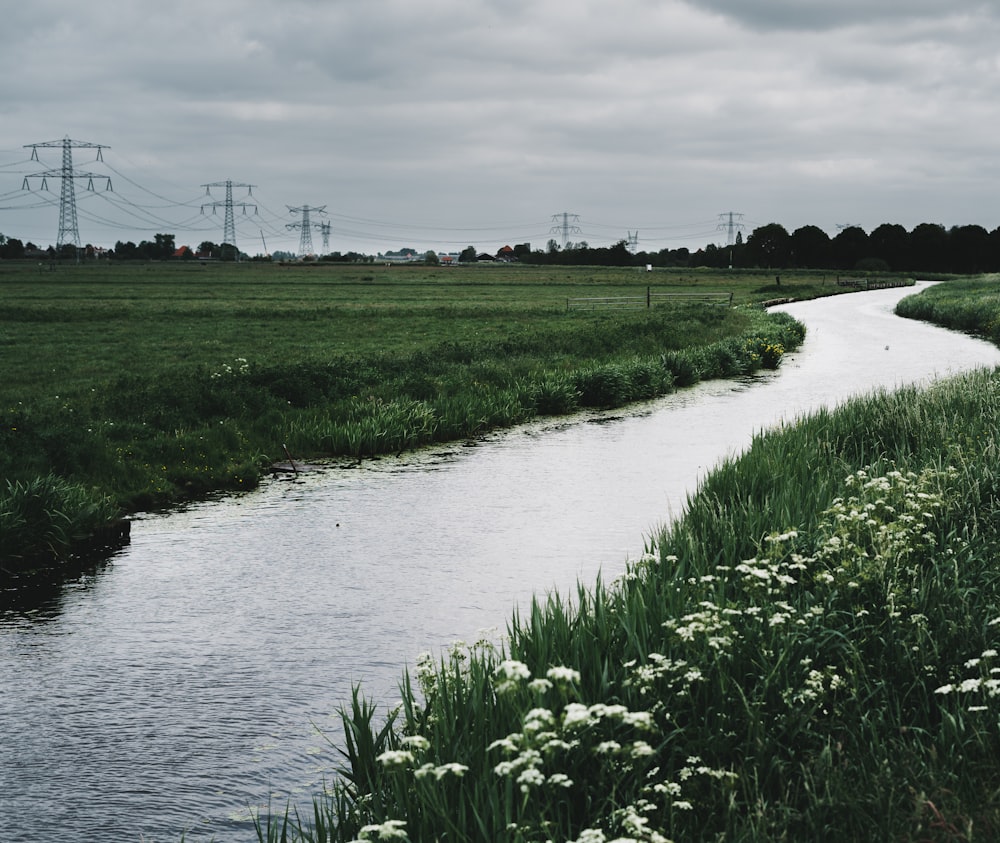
(196, 674)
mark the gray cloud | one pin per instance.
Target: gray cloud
(426, 120)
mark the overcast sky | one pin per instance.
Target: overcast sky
(444, 123)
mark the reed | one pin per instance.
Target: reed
(46, 518)
(809, 653)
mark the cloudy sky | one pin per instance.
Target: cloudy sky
(444, 123)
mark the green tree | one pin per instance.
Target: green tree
(850, 246)
(969, 249)
(928, 248)
(810, 247)
(467, 255)
(769, 246)
(12, 248)
(163, 245)
(890, 243)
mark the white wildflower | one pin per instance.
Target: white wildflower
(564, 675)
(417, 742)
(394, 758)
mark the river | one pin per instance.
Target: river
(196, 673)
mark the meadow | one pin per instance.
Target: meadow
(130, 387)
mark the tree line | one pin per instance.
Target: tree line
(928, 247)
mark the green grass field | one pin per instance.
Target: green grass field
(87, 325)
(131, 387)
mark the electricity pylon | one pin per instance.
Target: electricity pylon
(325, 228)
(732, 225)
(565, 228)
(305, 238)
(633, 242)
(229, 223)
(69, 232)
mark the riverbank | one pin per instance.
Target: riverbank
(810, 653)
(151, 386)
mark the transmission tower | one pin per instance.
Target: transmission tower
(229, 224)
(633, 242)
(325, 228)
(731, 222)
(69, 232)
(306, 227)
(564, 226)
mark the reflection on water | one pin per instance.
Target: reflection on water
(198, 670)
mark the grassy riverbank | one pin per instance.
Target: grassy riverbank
(971, 305)
(134, 387)
(809, 654)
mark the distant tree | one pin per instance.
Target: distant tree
(769, 246)
(12, 249)
(810, 247)
(521, 250)
(125, 250)
(468, 255)
(552, 247)
(431, 258)
(995, 250)
(968, 249)
(928, 248)
(850, 246)
(619, 255)
(890, 243)
(163, 246)
(210, 249)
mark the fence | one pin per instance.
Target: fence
(642, 302)
(873, 283)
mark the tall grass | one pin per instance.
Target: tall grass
(969, 304)
(47, 518)
(809, 653)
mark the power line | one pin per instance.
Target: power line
(306, 227)
(565, 227)
(69, 230)
(229, 224)
(731, 225)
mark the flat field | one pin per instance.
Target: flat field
(134, 386)
(63, 331)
